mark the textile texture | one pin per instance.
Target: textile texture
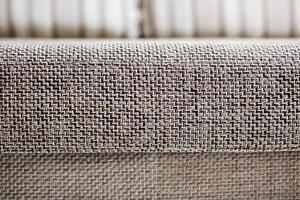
(151, 176)
(149, 119)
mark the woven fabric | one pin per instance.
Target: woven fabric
(149, 120)
(151, 176)
(149, 96)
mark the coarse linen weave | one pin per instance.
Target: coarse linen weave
(149, 119)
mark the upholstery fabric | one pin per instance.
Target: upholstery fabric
(151, 176)
(149, 119)
(149, 96)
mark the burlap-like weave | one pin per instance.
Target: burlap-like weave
(151, 176)
(149, 120)
(149, 96)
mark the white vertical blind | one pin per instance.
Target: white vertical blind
(296, 19)
(182, 17)
(232, 17)
(150, 18)
(114, 18)
(278, 18)
(253, 18)
(93, 18)
(162, 17)
(42, 19)
(132, 18)
(68, 17)
(20, 17)
(4, 18)
(204, 25)
(147, 23)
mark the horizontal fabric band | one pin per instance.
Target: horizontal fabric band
(144, 96)
(150, 176)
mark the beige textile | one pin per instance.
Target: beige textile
(151, 176)
(149, 119)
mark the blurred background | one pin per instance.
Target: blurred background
(149, 18)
